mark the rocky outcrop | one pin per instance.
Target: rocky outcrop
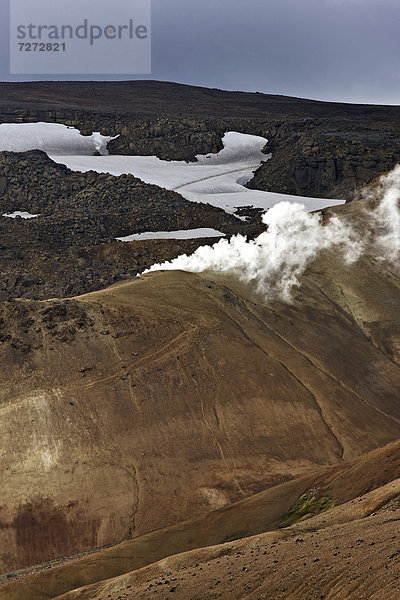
(70, 248)
(168, 138)
(319, 148)
(330, 160)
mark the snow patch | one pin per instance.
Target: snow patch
(52, 138)
(18, 213)
(179, 234)
(215, 179)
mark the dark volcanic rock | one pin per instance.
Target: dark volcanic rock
(328, 160)
(168, 138)
(56, 254)
(319, 148)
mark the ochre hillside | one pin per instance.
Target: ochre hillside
(157, 400)
(358, 489)
(350, 552)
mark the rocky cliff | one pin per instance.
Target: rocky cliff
(330, 159)
(319, 148)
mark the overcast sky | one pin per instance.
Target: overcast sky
(344, 50)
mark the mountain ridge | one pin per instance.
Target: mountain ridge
(127, 377)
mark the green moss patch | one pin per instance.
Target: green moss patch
(307, 506)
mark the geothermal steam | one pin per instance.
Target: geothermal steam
(386, 218)
(274, 261)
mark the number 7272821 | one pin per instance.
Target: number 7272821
(42, 47)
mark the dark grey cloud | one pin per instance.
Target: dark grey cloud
(346, 50)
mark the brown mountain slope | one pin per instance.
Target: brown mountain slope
(157, 400)
(350, 552)
(256, 514)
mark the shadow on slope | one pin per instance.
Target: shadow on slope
(368, 477)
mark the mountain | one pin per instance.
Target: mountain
(189, 388)
(153, 423)
(206, 547)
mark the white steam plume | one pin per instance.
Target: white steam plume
(275, 260)
(386, 218)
